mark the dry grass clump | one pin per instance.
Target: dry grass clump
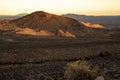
(79, 70)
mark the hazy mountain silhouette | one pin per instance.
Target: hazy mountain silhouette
(11, 17)
(108, 21)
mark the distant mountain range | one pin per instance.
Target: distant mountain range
(108, 21)
(11, 17)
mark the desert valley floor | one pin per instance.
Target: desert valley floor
(43, 58)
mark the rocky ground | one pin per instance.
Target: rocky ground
(34, 58)
(108, 66)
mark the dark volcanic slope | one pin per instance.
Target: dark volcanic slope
(44, 21)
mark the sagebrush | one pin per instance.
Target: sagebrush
(79, 70)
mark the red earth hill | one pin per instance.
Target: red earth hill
(49, 22)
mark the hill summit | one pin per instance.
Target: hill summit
(46, 22)
(41, 20)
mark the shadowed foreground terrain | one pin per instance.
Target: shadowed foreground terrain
(44, 58)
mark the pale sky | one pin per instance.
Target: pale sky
(84, 7)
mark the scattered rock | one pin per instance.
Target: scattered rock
(105, 53)
(100, 78)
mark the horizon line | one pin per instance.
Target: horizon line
(63, 14)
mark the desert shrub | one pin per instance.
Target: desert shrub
(79, 70)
